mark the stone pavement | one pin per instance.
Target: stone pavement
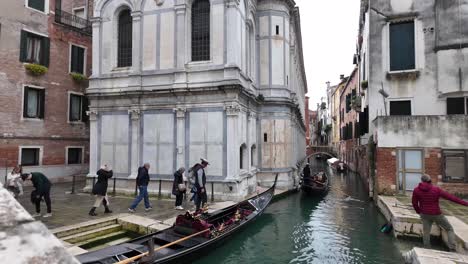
(448, 207)
(407, 223)
(69, 209)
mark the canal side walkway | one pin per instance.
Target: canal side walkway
(406, 223)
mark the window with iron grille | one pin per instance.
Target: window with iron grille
(201, 30)
(77, 59)
(30, 156)
(34, 48)
(455, 165)
(37, 4)
(74, 156)
(124, 56)
(33, 103)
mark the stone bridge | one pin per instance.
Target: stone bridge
(321, 150)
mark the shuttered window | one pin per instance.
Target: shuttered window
(75, 108)
(34, 48)
(400, 107)
(124, 56)
(402, 47)
(30, 156)
(37, 4)
(33, 105)
(77, 59)
(201, 30)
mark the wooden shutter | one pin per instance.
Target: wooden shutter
(84, 108)
(41, 103)
(45, 49)
(25, 102)
(402, 46)
(23, 46)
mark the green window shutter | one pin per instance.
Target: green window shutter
(45, 51)
(23, 45)
(37, 4)
(25, 102)
(402, 46)
(85, 108)
(41, 103)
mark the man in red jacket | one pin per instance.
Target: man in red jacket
(426, 203)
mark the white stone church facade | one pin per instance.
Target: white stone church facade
(176, 80)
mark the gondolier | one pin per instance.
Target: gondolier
(198, 173)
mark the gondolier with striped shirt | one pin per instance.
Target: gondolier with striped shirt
(200, 181)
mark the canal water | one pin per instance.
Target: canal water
(342, 227)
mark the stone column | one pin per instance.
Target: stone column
(232, 113)
(95, 45)
(181, 42)
(135, 150)
(180, 119)
(93, 142)
(233, 41)
(137, 39)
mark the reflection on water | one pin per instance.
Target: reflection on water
(342, 227)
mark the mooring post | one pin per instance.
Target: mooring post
(94, 181)
(212, 192)
(159, 191)
(136, 189)
(113, 189)
(73, 185)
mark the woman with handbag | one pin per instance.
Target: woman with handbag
(178, 187)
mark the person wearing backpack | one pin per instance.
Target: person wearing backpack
(42, 187)
(142, 183)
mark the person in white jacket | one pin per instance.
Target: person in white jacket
(14, 183)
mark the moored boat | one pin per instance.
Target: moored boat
(190, 237)
(316, 185)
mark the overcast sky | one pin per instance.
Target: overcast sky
(329, 33)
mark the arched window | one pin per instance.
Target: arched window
(243, 157)
(253, 156)
(250, 51)
(201, 30)
(124, 49)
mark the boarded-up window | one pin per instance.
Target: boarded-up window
(456, 106)
(402, 48)
(400, 107)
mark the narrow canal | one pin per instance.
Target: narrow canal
(342, 227)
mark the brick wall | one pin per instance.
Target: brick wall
(433, 166)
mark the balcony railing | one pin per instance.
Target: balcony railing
(73, 21)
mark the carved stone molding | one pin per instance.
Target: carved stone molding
(251, 115)
(180, 112)
(159, 2)
(134, 114)
(232, 110)
(92, 114)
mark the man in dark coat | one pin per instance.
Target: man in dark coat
(426, 204)
(176, 188)
(200, 181)
(100, 190)
(42, 187)
(142, 182)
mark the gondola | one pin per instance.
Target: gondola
(313, 187)
(180, 244)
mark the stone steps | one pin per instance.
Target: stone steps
(84, 227)
(107, 237)
(78, 238)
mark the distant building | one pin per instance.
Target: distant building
(174, 81)
(44, 124)
(335, 113)
(411, 57)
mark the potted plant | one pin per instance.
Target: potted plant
(78, 77)
(364, 84)
(323, 106)
(35, 69)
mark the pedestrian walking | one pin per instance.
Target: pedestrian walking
(42, 187)
(199, 176)
(14, 183)
(100, 190)
(426, 203)
(142, 182)
(179, 188)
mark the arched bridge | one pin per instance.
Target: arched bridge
(321, 150)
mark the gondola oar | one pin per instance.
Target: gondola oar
(130, 260)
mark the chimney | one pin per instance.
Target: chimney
(341, 77)
(328, 84)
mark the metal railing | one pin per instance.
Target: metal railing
(73, 21)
